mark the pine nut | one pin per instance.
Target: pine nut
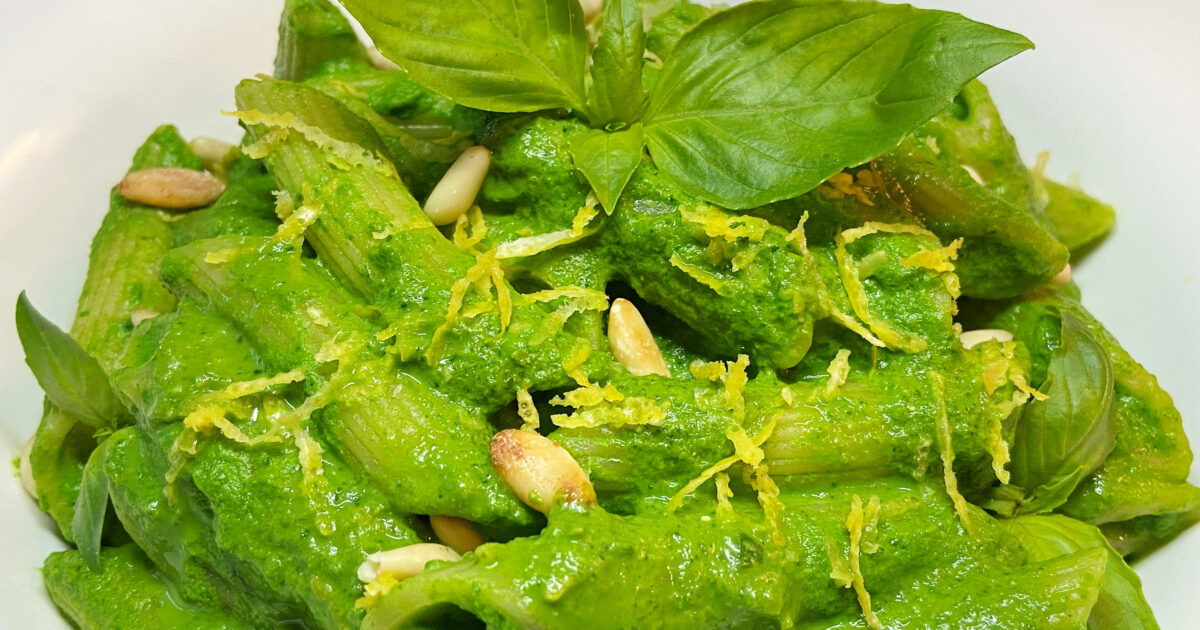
(403, 562)
(972, 338)
(457, 533)
(1063, 276)
(210, 150)
(171, 188)
(26, 469)
(455, 193)
(540, 472)
(630, 340)
(142, 314)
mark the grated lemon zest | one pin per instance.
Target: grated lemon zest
(530, 420)
(839, 567)
(242, 389)
(1017, 377)
(588, 395)
(721, 466)
(266, 144)
(628, 411)
(735, 386)
(213, 416)
(573, 363)
(768, 499)
(842, 185)
(586, 213)
(856, 291)
(838, 370)
(705, 278)
(503, 296)
(470, 229)
(709, 371)
(995, 374)
(212, 410)
(946, 448)
(854, 525)
(339, 153)
(375, 589)
(717, 223)
(998, 449)
(482, 275)
(296, 220)
(724, 493)
(939, 260)
(799, 242)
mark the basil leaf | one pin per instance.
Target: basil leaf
(765, 100)
(607, 161)
(496, 55)
(91, 506)
(1121, 603)
(71, 378)
(617, 94)
(1062, 439)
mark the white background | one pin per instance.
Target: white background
(1112, 91)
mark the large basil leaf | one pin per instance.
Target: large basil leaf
(617, 94)
(1121, 604)
(72, 379)
(91, 507)
(497, 55)
(607, 161)
(766, 100)
(1063, 438)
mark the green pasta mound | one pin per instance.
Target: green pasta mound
(809, 359)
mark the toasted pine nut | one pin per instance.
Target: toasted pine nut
(379, 61)
(630, 340)
(403, 562)
(540, 472)
(455, 193)
(457, 533)
(972, 338)
(1063, 276)
(591, 9)
(142, 314)
(26, 469)
(171, 188)
(210, 150)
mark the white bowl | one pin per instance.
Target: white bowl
(1111, 91)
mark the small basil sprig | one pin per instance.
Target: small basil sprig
(607, 161)
(1062, 439)
(760, 102)
(91, 507)
(71, 378)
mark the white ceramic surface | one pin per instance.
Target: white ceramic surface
(1111, 91)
